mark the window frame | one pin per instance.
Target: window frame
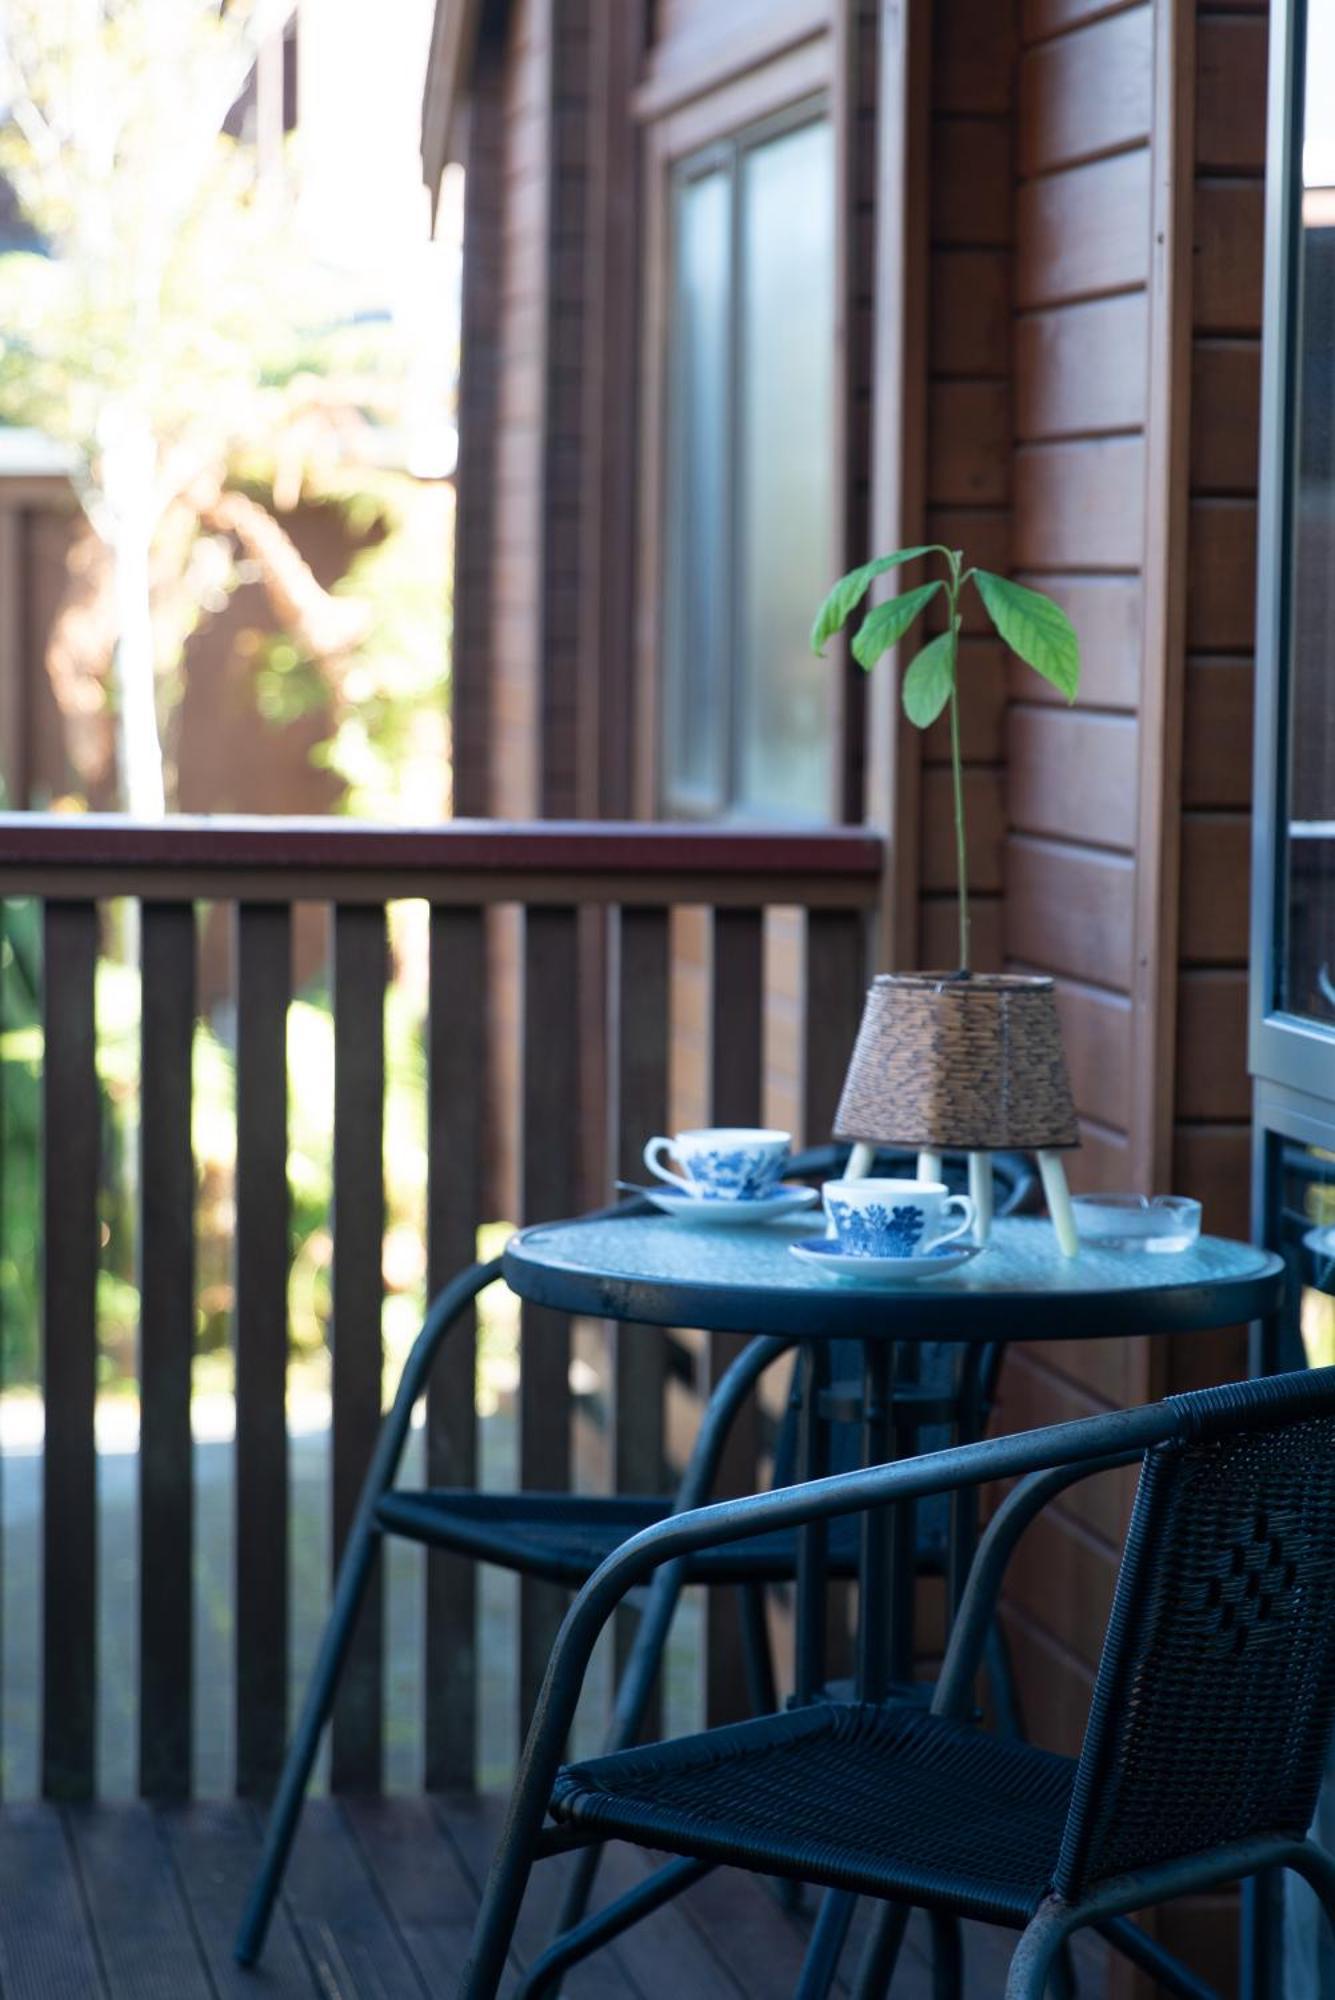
(1288, 1050)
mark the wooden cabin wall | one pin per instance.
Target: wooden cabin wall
(968, 448)
(1212, 1098)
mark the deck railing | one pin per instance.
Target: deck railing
(565, 974)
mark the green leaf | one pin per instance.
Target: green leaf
(886, 624)
(850, 590)
(929, 680)
(1035, 628)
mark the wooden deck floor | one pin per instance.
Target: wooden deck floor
(123, 1902)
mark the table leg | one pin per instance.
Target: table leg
(904, 1443)
(874, 1582)
(813, 1537)
(964, 1502)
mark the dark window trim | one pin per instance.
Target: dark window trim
(1286, 1049)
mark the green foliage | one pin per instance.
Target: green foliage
(886, 625)
(850, 590)
(1029, 623)
(1034, 627)
(930, 680)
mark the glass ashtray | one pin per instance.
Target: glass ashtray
(1164, 1222)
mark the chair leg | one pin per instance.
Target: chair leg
(826, 1945)
(947, 1956)
(1169, 1974)
(1317, 1869)
(632, 1702)
(360, 1552)
(880, 1954)
(363, 1547)
(1039, 1952)
(545, 1973)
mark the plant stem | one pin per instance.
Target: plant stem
(955, 583)
(961, 845)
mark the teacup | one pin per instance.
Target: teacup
(722, 1162)
(884, 1218)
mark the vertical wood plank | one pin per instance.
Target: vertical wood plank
(736, 1074)
(166, 1346)
(263, 935)
(835, 986)
(69, 1376)
(549, 1150)
(457, 1071)
(359, 965)
(638, 1353)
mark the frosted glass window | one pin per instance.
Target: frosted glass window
(784, 475)
(696, 605)
(748, 713)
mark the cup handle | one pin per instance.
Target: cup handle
(652, 1156)
(960, 1201)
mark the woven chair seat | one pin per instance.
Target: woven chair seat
(885, 1801)
(563, 1537)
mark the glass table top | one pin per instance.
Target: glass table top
(650, 1267)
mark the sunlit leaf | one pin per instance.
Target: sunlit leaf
(885, 625)
(1035, 628)
(850, 590)
(929, 680)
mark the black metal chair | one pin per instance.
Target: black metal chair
(1203, 1752)
(564, 1537)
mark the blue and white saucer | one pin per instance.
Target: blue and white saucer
(702, 1212)
(826, 1255)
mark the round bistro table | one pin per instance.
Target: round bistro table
(655, 1270)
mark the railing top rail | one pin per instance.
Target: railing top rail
(485, 861)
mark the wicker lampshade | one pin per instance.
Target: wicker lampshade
(943, 1063)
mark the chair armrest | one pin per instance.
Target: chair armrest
(959, 1669)
(1118, 1436)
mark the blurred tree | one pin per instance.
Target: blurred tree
(165, 322)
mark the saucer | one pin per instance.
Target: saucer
(700, 1212)
(824, 1252)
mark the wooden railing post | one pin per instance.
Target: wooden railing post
(166, 1348)
(736, 1090)
(263, 953)
(70, 1166)
(641, 1030)
(456, 1159)
(359, 966)
(549, 1153)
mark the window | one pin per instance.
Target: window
(747, 712)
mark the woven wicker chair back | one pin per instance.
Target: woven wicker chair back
(1215, 1696)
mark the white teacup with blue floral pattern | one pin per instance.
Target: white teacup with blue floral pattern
(722, 1162)
(883, 1218)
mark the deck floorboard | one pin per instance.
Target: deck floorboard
(137, 1902)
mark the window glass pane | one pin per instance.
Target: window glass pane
(786, 406)
(1306, 974)
(695, 590)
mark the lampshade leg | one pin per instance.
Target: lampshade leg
(1053, 1175)
(980, 1193)
(859, 1161)
(929, 1166)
